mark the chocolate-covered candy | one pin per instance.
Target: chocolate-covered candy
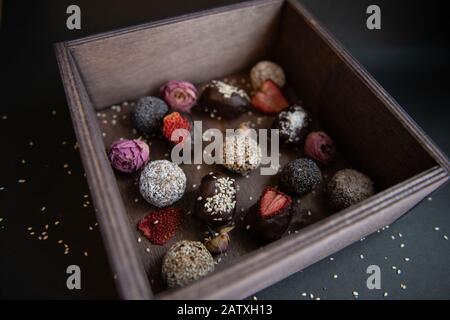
(293, 124)
(348, 187)
(216, 202)
(224, 100)
(270, 217)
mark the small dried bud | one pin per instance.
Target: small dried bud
(219, 243)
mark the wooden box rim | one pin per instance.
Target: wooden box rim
(281, 258)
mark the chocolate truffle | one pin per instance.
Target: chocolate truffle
(270, 217)
(147, 114)
(185, 262)
(348, 187)
(267, 70)
(320, 147)
(216, 202)
(293, 124)
(224, 100)
(162, 183)
(241, 154)
(300, 176)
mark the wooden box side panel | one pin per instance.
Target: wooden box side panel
(363, 125)
(131, 278)
(131, 64)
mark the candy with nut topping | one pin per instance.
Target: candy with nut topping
(267, 70)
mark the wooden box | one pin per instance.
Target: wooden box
(372, 132)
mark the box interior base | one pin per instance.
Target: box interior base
(131, 64)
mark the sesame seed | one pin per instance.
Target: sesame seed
(21, 181)
(355, 294)
(304, 294)
(436, 228)
(407, 259)
(361, 256)
(403, 286)
(147, 249)
(399, 271)
(445, 237)
(335, 276)
(402, 245)
(85, 253)
(43, 209)
(385, 294)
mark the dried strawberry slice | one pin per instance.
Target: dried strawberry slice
(160, 226)
(273, 202)
(269, 99)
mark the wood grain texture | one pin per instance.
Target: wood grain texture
(131, 280)
(333, 86)
(129, 65)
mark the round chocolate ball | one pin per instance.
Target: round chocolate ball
(185, 262)
(348, 187)
(241, 154)
(300, 176)
(147, 114)
(267, 70)
(292, 124)
(162, 183)
(224, 100)
(216, 202)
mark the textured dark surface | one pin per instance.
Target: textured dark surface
(408, 57)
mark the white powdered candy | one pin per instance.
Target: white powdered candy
(162, 183)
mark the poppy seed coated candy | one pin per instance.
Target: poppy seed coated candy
(147, 114)
(162, 183)
(300, 176)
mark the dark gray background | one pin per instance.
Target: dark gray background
(409, 57)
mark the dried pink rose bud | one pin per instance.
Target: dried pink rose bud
(320, 147)
(179, 95)
(128, 155)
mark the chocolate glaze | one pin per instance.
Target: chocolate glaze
(227, 106)
(207, 189)
(268, 229)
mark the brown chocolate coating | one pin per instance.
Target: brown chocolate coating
(268, 229)
(216, 201)
(224, 100)
(293, 124)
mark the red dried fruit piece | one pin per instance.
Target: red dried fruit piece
(269, 99)
(160, 226)
(273, 202)
(172, 122)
